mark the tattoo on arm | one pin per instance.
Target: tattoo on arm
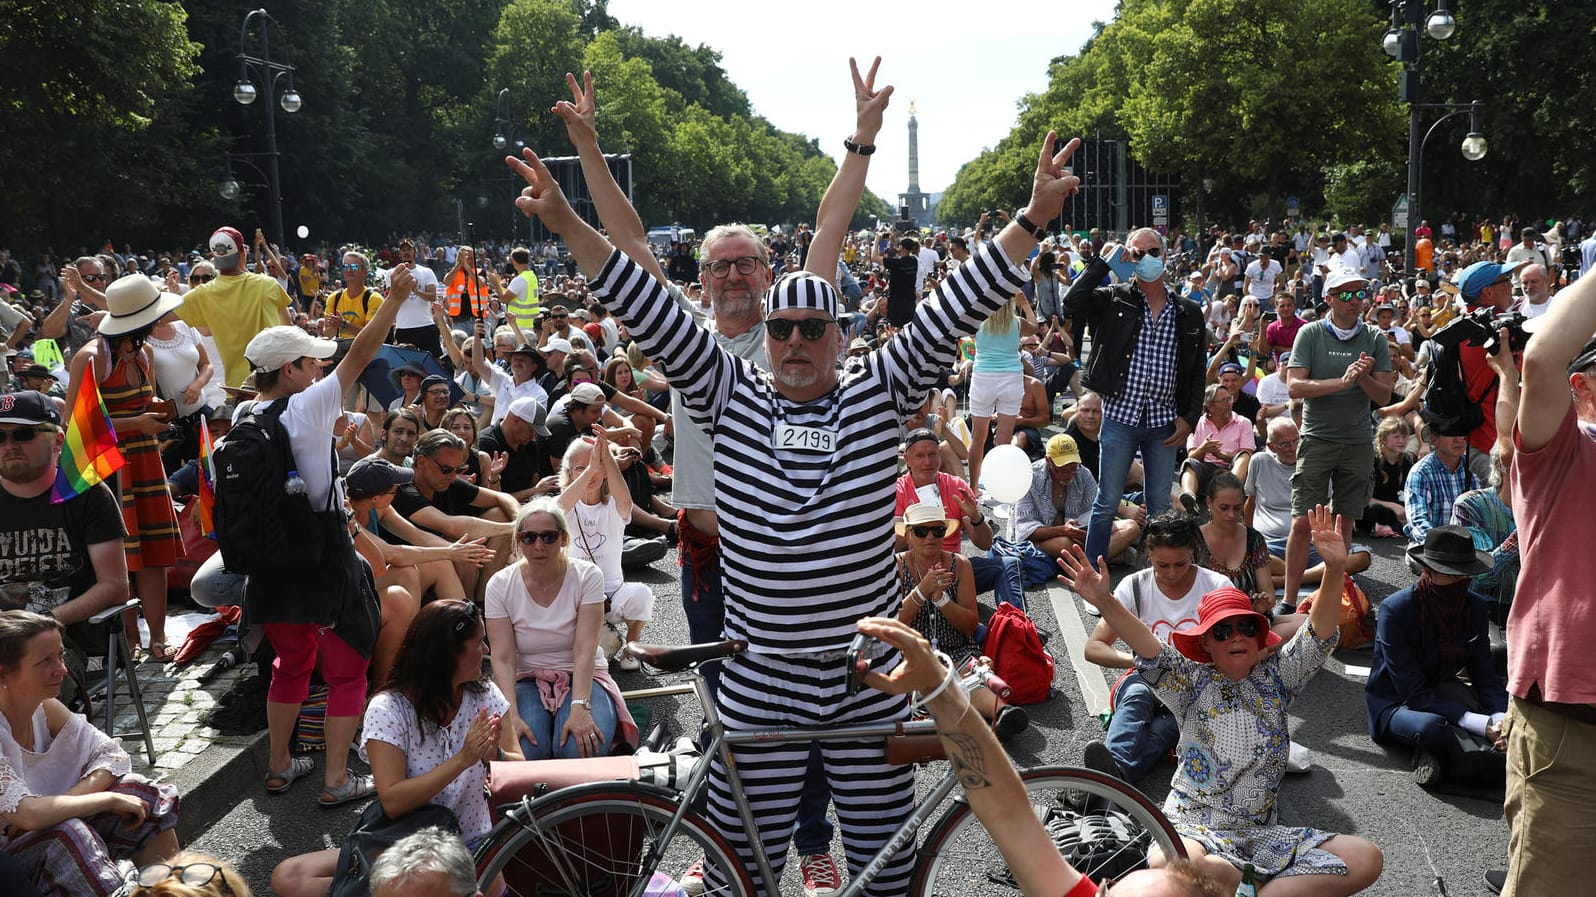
(964, 752)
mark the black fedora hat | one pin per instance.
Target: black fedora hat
(1449, 549)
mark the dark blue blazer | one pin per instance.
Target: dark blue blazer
(1406, 661)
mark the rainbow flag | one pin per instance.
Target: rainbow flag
(89, 454)
(207, 484)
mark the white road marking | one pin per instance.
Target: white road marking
(1088, 675)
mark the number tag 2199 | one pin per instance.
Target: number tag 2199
(805, 439)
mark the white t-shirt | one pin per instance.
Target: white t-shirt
(544, 636)
(176, 364)
(505, 391)
(1264, 271)
(597, 532)
(391, 719)
(417, 308)
(1402, 336)
(1531, 310)
(1271, 391)
(309, 420)
(1139, 593)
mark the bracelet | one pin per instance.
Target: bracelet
(582, 702)
(946, 681)
(942, 602)
(917, 596)
(858, 149)
(981, 522)
(1040, 233)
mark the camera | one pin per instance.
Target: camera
(1479, 328)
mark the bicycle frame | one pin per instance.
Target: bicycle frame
(721, 744)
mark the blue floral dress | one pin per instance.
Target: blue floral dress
(1232, 754)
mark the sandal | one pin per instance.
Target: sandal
(298, 768)
(358, 787)
(160, 652)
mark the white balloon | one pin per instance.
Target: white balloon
(303, 232)
(1006, 473)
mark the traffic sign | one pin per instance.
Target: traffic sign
(1399, 214)
(1160, 210)
(1293, 205)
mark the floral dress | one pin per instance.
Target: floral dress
(1232, 754)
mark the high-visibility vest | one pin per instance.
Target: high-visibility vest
(459, 285)
(525, 309)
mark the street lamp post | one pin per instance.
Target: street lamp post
(1402, 43)
(245, 93)
(506, 139)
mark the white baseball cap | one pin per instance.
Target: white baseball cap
(556, 344)
(1343, 276)
(276, 346)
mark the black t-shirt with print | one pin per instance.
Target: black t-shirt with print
(44, 547)
(454, 501)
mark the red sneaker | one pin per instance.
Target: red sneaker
(692, 881)
(821, 878)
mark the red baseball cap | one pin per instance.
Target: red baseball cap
(1216, 607)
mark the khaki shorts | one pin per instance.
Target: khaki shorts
(1344, 469)
(1551, 765)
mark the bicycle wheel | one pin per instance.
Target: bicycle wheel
(1103, 826)
(593, 840)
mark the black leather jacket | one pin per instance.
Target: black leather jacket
(1115, 315)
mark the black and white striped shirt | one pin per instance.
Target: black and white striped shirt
(806, 537)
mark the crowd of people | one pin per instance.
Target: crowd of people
(807, 417)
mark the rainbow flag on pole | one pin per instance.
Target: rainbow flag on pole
(89, 454)
(207, 484)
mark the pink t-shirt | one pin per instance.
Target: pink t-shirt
(1235, 436)
(544, 635)
(1282, 336)
(1553, 621)
(944, 489)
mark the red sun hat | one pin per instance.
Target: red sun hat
(1216, 607)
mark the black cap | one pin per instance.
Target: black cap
(1585, 358)
(29, 408)
(373, 476)
(921, 434)
(432, 380)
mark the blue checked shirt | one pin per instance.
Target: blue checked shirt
(1431, 492)
(1148, 399)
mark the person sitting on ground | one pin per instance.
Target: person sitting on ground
(408, 378)
(71, 806)
(428, 863)
(938, 589)
(433, 401)
(1241, 382)
(1036, 412)
(1430, 636)
(427, 735)
(441, 503)
(527, 365)
(925, 481)
(515, 445)
(597, 505)
(1221, 440)
(397, 442)
(993, 787)
(1054, 513)
(1273, 398)
(1164, 597)
(189, 874)
(1231, 700)
(544, 614)
(1435, 482)
(1235, 550)
(463, 424)
(1386, 514)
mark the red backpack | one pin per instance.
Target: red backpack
(1018, 656)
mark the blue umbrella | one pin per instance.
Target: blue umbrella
(384, 387)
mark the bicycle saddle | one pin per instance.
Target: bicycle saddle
(675, 660)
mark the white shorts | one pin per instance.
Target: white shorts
(632, 601)
(996, 392)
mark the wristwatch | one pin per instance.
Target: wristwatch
(1040, 233)
(858, 149)
(582, 702)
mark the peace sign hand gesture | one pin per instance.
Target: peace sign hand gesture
(541, 197)
(869, 103)
(579, 113)
(1051, 185)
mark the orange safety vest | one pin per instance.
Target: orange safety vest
(459, 285)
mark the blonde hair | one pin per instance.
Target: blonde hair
(1388, 426)
(577, 446)
(1000, 321)
(227, 883)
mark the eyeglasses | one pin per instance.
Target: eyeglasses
(1352, 295)
(559, 317)
(27, 434)
(809, 328)
(926, 532)
(195, 875)
(93, 278)
(1286, 443)
(1155, 252)
(748, 264)
(1223, 631)
(531, 536)
(201, 278)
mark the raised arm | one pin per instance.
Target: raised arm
(842, 195)
(620, 220)
(612, 473)
(1330, 534)
(363, 348)
(1546, 394)
(1091, 583)
(542, 198)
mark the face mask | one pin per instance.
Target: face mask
(1150, 268)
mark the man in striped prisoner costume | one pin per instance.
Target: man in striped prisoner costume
(805, 465)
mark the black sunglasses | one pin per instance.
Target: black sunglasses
(809, 328)
(926, 532)
(446, 469)
(93, 278)
(1155, 252)
(201, 278)
(531, 536)
(23, 435)
(1353, 295)
(472, 613)
(195, 875)
(1223, 631)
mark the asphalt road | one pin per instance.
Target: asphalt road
(1355, 786)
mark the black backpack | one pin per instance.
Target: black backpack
(1448, 408)
(261, 527)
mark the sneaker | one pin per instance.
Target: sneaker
(1298, 758)
(610, 640)
(1188, 500)
(1496, 880)
(821, 878)
(1426, 769)
(692, 881)
(1011, 720)
(1101, 759)
(626, 661)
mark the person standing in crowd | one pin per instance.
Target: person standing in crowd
(520, 297)
(85, 281)
(1338, 365)
(804, 481)
(310, 281)
(327, 608)
(1147, 363)
(1551, 718)
(351, 308)
(236, 305)
(415, 325)
(997, 381)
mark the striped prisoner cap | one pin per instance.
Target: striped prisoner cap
(801, 289)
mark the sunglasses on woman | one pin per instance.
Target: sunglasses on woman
(810, 329)
(201, 278)
(926, 532)
(195, 875)
(531, 536)
(1223, 631)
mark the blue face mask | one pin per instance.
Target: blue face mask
(1150, 268)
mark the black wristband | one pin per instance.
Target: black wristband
(1040, 233)
(858, 149)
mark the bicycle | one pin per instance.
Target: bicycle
(631, 838)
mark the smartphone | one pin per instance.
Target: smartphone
(858, 662)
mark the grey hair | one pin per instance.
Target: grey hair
(430, 850)
(722, 231)
(434, 441)
(1138, 232)
(1501, 458)
(1278, 425)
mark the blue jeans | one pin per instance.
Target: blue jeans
(705, 618)
(1117, 444)
(1000, 575)
(1427, 730)
(1142, 730)
(547, 726)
